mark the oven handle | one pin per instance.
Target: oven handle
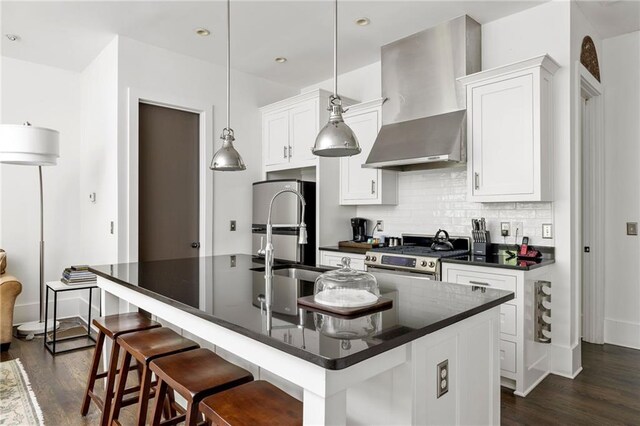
(426, 276)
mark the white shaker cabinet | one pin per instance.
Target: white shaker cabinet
(360, 185)
(289, 130)
(523, 362)
(510, 133)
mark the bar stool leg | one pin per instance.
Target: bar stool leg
(119, 394)
(159, 404)
(97, 353)
(143, 402)
(193, 415)
(111, 377)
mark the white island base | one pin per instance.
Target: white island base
(396, 387)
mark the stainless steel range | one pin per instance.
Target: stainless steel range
(417, 254)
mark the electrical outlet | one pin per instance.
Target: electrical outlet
(518, 231)
(232, 225)
(505, 229)
(547, 231)
(442, 378)
(379, 225)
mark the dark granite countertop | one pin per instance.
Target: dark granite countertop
(503, 256)
(223, 290)
(352, 250)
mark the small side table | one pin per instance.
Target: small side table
(60, 287)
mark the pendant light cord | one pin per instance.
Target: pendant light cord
(335, 49)
(228, 64)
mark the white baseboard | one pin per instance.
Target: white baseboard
(565, 361)
(67, 308)
(622, 333)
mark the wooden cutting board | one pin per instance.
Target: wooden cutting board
(310, 304)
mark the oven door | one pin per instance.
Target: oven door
(421, 275)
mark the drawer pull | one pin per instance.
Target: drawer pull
(480, 283)
(285, 152)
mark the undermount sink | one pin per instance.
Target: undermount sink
(298, 273)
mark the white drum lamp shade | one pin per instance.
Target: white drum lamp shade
(29, 146)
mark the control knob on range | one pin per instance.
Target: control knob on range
(432, 264)
(423, 263)
(374, 258)
(367, 258)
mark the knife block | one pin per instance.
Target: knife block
(482, 248)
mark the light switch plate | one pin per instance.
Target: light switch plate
(547, 231)
(505, 229)
(632, 228)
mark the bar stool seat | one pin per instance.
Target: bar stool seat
(252, 404)
(146, 346)
(194, 375)
(111, 326)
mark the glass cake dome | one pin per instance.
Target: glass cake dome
(346, 288)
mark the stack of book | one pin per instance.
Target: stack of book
(77, 275)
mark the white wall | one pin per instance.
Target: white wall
(154, 70)
(98, 170)
(361, 84)
(46, 97)
(620, 68)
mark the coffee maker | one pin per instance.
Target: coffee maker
(359, 227)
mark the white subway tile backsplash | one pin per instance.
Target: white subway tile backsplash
(434, 199)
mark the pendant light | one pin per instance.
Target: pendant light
(336, 139)
(227, 159)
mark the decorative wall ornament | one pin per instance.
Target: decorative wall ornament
(589, 57)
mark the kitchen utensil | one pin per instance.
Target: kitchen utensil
(441, 241)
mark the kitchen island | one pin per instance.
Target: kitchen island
(381, 368)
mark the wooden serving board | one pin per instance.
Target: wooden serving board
(353, 244)
(310, 304)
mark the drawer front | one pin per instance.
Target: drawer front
(508, 319)
(508, 356)
(334, 259)
(499, 281)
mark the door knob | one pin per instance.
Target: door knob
(195, 245)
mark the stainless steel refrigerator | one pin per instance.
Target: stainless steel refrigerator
(286, 210)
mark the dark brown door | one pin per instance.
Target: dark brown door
(169, 172)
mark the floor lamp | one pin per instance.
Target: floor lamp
(31, 146)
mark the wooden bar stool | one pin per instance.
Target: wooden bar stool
(252, 404)
(194, 375)
(111, 326)
(145, 346)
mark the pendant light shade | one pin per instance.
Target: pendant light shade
(336, 139)
(227, 159)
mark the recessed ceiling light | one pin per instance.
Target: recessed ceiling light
(280, 59)
(13, 37)
(203, 32)
(363, 22)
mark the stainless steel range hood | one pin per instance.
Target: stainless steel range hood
(424, 116)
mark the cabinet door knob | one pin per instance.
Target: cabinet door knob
(195, 244)
(373, 187)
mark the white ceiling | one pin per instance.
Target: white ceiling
(612, 17)
(70, 34)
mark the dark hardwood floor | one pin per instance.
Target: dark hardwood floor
(606, 392)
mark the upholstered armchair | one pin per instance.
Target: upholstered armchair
(10, 288)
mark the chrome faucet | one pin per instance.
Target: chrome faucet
(267, 251)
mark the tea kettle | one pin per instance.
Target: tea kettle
(441, 241)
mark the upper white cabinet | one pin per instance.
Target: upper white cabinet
(289, 130)
(360, 185)
(510, 133)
